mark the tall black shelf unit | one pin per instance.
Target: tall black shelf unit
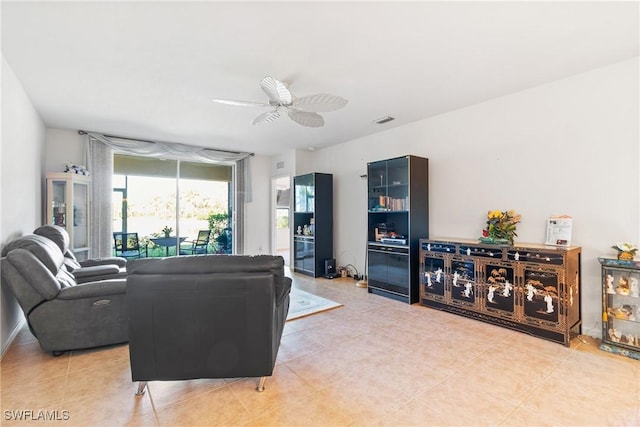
(398, 217)
(312, 222)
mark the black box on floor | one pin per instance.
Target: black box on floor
(330, 268)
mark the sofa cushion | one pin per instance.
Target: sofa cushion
(41, 247)
(96, 270)
(60, 237)
(111, 260)
(34, 273)
(56, 234)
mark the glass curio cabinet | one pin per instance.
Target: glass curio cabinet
(621, 306)
(68, 207)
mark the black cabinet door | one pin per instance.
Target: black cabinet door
(499, 279)
(304, 255)
(398, 278)
(309, 257)
(433, 275)
(377, 268)
(389, 270)
(541, 287)
(298, 257)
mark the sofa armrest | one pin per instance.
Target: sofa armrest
(283, 291)
(94, 289)
(95, 270)
(118, 261)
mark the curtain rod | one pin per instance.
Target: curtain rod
(83, 132)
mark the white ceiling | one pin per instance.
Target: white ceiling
(149, 69)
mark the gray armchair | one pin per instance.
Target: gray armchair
(62, 314)
(205, 316)
(88, 270)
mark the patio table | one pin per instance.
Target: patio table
(167, 242)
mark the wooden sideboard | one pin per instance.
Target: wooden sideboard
(530, 288)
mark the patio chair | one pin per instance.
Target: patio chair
(127, 245)
(198, 246)
(224, 242)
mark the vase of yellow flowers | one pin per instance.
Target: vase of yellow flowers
(626, 251)
(501, 227)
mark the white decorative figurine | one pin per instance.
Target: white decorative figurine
(456, 275)
(609, 280)
(438, 274)
(549, 301)
(531, 291)
(492, 289)
(467, 290)
(634, 289)
(506, 292)
(614, 335)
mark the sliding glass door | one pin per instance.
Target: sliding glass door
(174, 207)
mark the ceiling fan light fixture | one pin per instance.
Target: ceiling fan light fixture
(383, 119)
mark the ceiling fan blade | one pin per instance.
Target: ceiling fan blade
(305, 118)
(240, 103)
(320, 103)
(267, 117)
(276, 90)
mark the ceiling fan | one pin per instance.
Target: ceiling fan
(303, 111)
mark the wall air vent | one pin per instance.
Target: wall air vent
(384, 119)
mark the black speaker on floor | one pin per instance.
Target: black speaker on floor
(330, 268)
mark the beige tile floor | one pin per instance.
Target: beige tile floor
(373, 361)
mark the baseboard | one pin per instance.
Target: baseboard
(12, 336)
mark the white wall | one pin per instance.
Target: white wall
(257, 223)
(283, 164)
(22, 181)
(568, 147)
(64, 146)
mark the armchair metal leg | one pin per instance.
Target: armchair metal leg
(142, 385)
(260, 387)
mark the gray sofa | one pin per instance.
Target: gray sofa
(62, 314)
(205, 316)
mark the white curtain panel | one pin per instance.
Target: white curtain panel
(100, 163)
(242, 197)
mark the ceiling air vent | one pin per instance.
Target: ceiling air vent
(384, 119)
